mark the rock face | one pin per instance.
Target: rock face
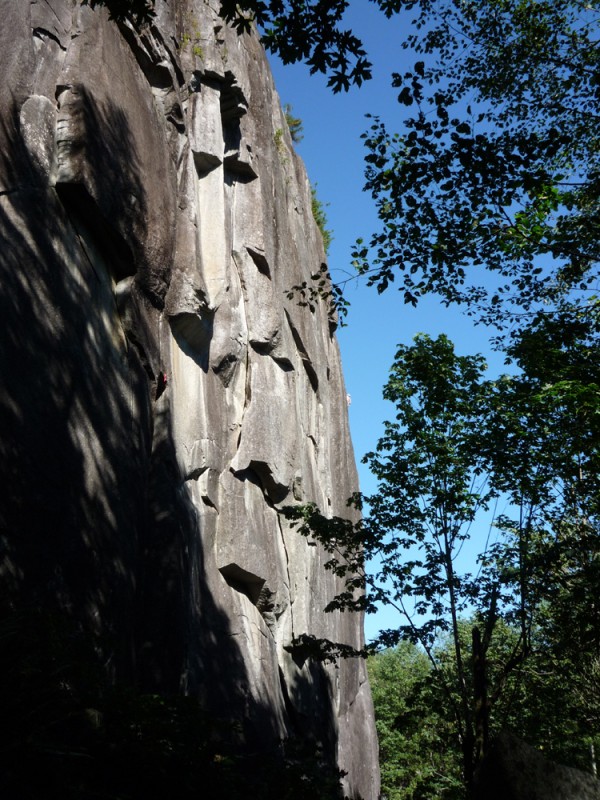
(512, 770)
(162, 398)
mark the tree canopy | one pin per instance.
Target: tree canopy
(496, 167)
(418, 752)
(458, 443)
(295, 30)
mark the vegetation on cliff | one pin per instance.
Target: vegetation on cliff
(488, 196)
(461, 444)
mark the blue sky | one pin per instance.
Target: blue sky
(333, 153)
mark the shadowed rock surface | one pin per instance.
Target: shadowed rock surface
(512, 770)
(161, 397)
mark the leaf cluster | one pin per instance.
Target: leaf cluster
(320, 217)
(496, 167)
(418, 751)
(420, 756)
(321, 288)
(138, 12)
(305, 31)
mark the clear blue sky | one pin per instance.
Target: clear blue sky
(333, 153)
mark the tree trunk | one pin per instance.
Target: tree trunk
(482, 710)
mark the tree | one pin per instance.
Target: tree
(294, 124)
(459, 442)
(498, 167)
(555, 401)
(433, 481)
(417, 752)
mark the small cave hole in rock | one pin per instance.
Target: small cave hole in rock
(243, 581)
(260, 260)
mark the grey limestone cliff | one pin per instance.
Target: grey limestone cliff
(161, 396)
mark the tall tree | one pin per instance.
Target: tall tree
(433, 481)
(458, 442)
(555, 402)
(497, 165)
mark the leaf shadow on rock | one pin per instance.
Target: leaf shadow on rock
(95, 522)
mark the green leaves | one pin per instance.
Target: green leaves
(458, 443)
(429, 463)
(431, 485)
(308, 32)
(320, 217)
(497, 167)
(139, 12)
(418, 752)
(321, 288)
(294, 124)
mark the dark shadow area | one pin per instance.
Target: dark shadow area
(106, 618)
(101, 184)
(70, 446)
(193, 334)
(76, 736)
(259, 473)
(260, 261)
(243, 581)
(310, 716)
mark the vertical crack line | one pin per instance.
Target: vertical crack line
(247, 387)
(287, 569)
(65, 51)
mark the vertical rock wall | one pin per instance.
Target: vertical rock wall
(161, 397)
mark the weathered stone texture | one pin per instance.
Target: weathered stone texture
(161, 397)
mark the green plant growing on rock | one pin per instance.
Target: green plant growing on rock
(320, 217)
(294, 124)
(282, 151)
(321, 285)
(278, 139)
(193, 39)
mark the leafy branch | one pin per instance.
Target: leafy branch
(321, 289)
